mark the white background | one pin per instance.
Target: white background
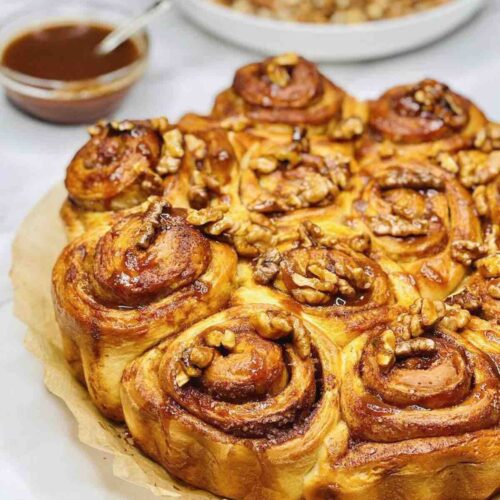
(40, 456)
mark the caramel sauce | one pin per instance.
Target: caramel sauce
(66, 52)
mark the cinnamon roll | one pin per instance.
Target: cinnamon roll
(421, 217)
(123, 287)
(424, 119)
(421, 414)
(239, 404)
(294, 175)
(121, 165)
(284, 91)
(330, 281)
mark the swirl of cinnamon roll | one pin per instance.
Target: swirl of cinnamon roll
(332, 282)
(290, 174)
(435, 385)
(286, 89)
(238, 404)
(427, 117)
(121, 165)
(121, 288)
(421, 217)
(419, 398)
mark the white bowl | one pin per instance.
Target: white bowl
(330, 42)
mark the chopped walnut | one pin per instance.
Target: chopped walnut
(235, 123)
(386, 150)
(494, 291)
(206, 215)
(252, 237)
(477, 169)
(447, 162)
(264, 164)
(277, 325)
(202, 185)
(347, 129)
(488, 138)
(386, 350)
(456, 318)
(301, 339)
(466, 251)
(201, 356)
(172, 152)
(480, 200)
(196, 146)
(273, 326)
(465, 299)
(361, 243)
(150, 222)
(320, 283)
(424, 313)
(277, 69)
(310, 296)
(315, 283)
(398, 178)
(228, 340)
(489, 266)
(160, 124)
(267, 266)
(394, 225)
(492, 238)
(415, 347)
(122, 126)
(181, 378)
(213, 338)
(311, 234)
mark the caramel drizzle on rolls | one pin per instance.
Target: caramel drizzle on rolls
(121, 288)
(435, 385)
(420, 216)
(119, 167)
(424, 112)
(283, 89)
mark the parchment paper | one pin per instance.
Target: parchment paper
(36, 247)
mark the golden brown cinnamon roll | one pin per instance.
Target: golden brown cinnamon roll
(421, 217)
(121, 165)
(122, 288)
(415, 407)
(330, 281)
(285, 91)
(239, 404)
(425, 119)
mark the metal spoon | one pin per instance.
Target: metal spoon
(129, 28)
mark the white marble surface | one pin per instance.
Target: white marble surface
(40, 457)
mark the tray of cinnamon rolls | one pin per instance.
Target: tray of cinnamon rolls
(297, 296)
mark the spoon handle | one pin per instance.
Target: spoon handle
(126, 30)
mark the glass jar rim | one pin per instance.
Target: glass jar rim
(69, 89)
